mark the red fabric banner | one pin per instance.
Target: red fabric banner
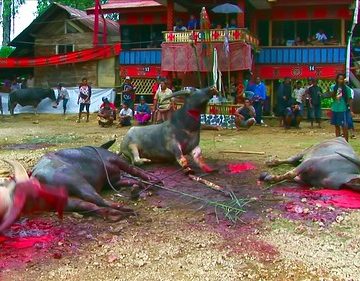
(299, 71)
(96, 53)
(181, 57)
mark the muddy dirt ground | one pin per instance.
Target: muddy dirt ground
(175, 237)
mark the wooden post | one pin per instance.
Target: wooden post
(241, 16)
(270, 32)
(343, 32)
(96, 24)
(170, 15)
(272, 98)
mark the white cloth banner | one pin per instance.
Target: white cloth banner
(45, 106)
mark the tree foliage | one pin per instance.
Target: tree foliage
(78, 4)
(5, 51)
(10, 8)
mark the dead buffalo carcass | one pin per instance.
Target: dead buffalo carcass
(173, 139)
(84, 172)
(30, 96)
(27, 195)
(331, 164)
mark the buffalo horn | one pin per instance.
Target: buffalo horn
(184, 92)
(19, 171)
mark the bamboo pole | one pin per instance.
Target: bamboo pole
(242, 152)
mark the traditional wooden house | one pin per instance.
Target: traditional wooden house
(60, 43)
(151, 47)
(285, 29)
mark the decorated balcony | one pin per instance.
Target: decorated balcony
(302, 55)
(216, 35)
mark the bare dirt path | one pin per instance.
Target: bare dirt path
(174, 237)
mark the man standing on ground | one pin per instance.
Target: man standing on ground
(283, 98)
(84, 99)
(314, 109)
(259, 90)
(63, 95)
(128, 93)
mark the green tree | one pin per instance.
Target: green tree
(10, 8)
(78, 4)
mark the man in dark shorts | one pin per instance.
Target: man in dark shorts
(245, 115)
(84, 99)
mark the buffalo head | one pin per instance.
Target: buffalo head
(195, 99)
(25, 195)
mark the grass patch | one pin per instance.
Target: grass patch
(52, 139)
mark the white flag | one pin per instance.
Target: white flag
(215, 67)
(226, 43)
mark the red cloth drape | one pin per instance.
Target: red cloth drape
(181, 57)
(96, 53)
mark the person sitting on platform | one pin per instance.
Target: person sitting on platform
(143, 113)
(163, 108)
(245, 115)
(293, 115)
(321, 36)
(107, 114)
(192, 23)
(179, 26)
(233, 24)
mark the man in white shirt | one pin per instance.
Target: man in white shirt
(320, 36)
(299, 95)
(125, 115)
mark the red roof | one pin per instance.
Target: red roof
(126, 4)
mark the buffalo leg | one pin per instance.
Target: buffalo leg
(134, 155)
(81, 206)
(87, 193)
(294, 160)
(180, 158)
(132, 170)
(199, 160)
(135, 185)
(273, 178)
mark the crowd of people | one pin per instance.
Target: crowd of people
(291, 103)
(143, 114)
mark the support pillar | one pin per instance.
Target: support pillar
(342, 32)
(270, 32)
(170, 15)
(241, 16)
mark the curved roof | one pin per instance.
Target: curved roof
(26, 38)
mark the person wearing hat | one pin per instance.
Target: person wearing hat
(63, 95)
(128, 92)
(143, 113)
(106, 101)
(107, 114)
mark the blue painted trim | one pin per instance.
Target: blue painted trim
(301, 55)
(134, 57)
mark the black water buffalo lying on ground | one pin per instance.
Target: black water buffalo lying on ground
(27, 195)
(331, 164)
(84, 172)
(174, 138)
(30, 96)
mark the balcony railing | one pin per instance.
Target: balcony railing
(216, 35)
(302, 55)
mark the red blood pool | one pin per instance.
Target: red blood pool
(342, 198)
(240, 167)
(28, 240)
